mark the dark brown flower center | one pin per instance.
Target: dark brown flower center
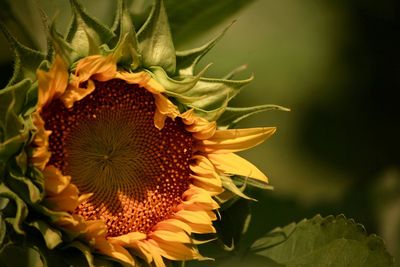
(108, 144)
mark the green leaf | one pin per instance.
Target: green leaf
(26, 60)
(329, 241)
(51, 236)
(190, 18)
(155, 41)
(14, 214)
(86, 34)
(233, 115)
(187, 60)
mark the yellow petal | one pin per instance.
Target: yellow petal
(200, 228)
(165, 108)
(213, 186)
(67, 200)
(203, 167)
(171, 236)
(53, 83)
(101, 68)
(74, 223)
(172, 225)
(54, 181)
(127, 239)
(155, 253)
(73, 94)
(174, 250)
(115, 251)
(227, 141)
(84, 197)
(234, 164)
(143, 79)
(40, 155)
(198, 216)
(204, 199)
(201, 128)
(95, 229)
(142, 249)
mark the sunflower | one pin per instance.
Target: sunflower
(111, 142)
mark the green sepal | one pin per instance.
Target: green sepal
(16, 210)
(229, 185)
(51, 236)
(26, 60)
(248, 181)
(17, 180)
(235, 71)
(329, 241)
(86, 34)
(233, 115)
(178, 85)
(155, 40)
(13, 131)
(187, 60)
(31, 99)
(126, 50)
(211, 115)
(61, 46)
(46, 26)
(216, 90)
(52, 215)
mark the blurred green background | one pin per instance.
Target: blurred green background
(334, 63)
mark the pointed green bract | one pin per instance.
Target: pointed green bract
(241, 180)
(178, 86)
(24, 186)
(126, 50)
(230, 185)
(26, 60)
(51, 236)
(86, 34)
(16, 210)
(234, 115)
(155, 41)
(187, 60)
(61, 46)
(214, 95)
(13, 130)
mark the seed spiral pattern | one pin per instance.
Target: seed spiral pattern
(108, 144)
